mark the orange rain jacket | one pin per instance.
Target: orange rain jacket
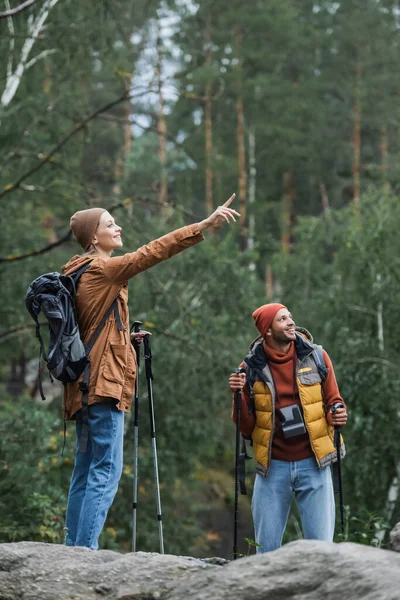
(113, 361)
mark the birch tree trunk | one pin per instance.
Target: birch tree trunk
(35, 25)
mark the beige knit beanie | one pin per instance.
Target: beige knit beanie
(84, 224)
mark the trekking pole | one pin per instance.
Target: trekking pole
(337, 443)
(136, 328)
(238, 406)
(149, 377)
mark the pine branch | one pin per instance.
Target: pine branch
(17, 9)
(13, 186)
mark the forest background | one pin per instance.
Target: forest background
(158, 110)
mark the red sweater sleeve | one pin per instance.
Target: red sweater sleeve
(331, 390)
(247, 418)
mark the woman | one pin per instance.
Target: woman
(108, 395)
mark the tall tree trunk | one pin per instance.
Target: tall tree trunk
(120, 162)
(16, 379)
(127, 127)
(252, 193)
(269, 283)
(324, 199)
(287, 211)
(384, 156)
(240, 136)
(357, 138)
(208, 123)
(162, 132)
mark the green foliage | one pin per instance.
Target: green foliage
(33, 475)
(365, 528)
(347, 269)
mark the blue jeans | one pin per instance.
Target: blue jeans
(96, 474)
(272, 497)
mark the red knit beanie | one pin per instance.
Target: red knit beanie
(264, 316)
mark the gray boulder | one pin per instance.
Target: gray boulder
(35, 571)
(395, 538)
(302, 570)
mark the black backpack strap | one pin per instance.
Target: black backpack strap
(243, 456)
(84, 387)
(42, 351)
(93, 339)
(75, 276)
(84, 383)
(39, 380)
(117, 317)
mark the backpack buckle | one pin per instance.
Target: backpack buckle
(83, 386)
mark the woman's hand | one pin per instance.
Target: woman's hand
(137, 336)
(223, 213)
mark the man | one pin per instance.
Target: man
(289, 389)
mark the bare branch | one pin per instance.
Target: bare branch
(63, 240)
(38, 57)
(4, 335)
(13, 11)
(13, 186)
(15, 257)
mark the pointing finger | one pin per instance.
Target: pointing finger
(227, 203)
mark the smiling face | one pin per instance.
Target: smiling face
(108, 235)
(283, 328)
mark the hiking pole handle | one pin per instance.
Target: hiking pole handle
(147, 356)
(136, 326)
(135, 329)
(238, 393)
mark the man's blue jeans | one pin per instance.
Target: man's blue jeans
(96, 474)
(272, 497)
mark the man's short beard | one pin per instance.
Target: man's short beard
(281, 336)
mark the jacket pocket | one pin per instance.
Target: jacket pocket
(307, 378)
(114, 365)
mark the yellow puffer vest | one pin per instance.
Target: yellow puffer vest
(310, 391)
